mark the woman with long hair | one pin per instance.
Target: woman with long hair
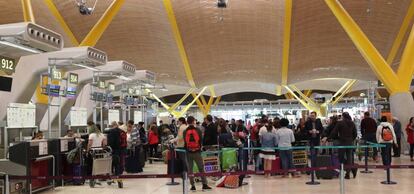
(410, 137)
(268, 141)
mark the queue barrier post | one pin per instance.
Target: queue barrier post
(366, 155)
(172, 171)
(342, 180)
(313, 155)
(388, 168)
(185, 176)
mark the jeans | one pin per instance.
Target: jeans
(286, 158)
(386, 154)
(118, 157)
(346, 157)
(371, 137)
(195, 157)
(397, 149)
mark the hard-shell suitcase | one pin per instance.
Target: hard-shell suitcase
(324, 161)
(78, 170)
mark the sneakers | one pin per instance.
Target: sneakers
(193, 188)
(206, 187)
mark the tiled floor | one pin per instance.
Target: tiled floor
(364, 183)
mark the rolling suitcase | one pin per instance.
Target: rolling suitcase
(276, 165)
(324, 161)
(78, 170)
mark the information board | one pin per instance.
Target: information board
(78, 116)
(113, 115)
(137, 116)
(21, 115)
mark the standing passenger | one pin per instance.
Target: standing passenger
(285, 138)
(410, 137)
(386, 136)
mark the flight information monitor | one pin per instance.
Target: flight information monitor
(53, 90)
(71, 93)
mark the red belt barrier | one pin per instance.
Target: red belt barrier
(151, 176)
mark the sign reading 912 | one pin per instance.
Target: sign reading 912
(7, 64)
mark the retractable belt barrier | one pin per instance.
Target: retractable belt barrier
(152, 176)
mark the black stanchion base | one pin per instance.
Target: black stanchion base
(366, 171)
(388, 183)
(313, 183)
(172, 183)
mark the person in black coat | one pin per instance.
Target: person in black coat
(313, 129)
(210, 132)
(346, 132)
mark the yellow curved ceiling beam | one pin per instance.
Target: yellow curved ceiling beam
(99, 28)
(400, 36)
(178, 40)
(55, 12)
(286, 41)
(28, 11)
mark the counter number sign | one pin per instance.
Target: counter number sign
(111, 86)
(101, 84)
(7, 64)
(56, 74)
(73, 78)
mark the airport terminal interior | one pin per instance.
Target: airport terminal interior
(215, 96)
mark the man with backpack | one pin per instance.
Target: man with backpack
(386, 136)
(117, 140)
(192, 143)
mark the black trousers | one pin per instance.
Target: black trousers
(411, 150)
(371, 137)
(346, 157)
(397, 149)
(386, 154)
(153, 150)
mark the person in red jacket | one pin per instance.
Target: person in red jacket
(410, 137)
(153, 140)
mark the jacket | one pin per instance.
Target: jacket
(210, 135)
(345, 131)
(368, 126)
(309, 127)
(379, 133)
(152, 138)
(114, 138)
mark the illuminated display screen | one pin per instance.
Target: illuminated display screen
(128, 101)
(110, 98)
(71, 93)
(131, 91)
(53, 90)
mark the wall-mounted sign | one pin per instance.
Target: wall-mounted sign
(101, 84)
(131, 91)
(111, 86)
(55, 74)
(7, 64)
(73, 78)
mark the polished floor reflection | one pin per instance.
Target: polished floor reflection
(364, 183)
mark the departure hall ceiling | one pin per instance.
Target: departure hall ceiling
(239, 48)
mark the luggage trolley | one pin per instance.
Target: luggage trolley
(101, 164)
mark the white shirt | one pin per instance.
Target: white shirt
(285, 137)
(263, 130)
(96, 139)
